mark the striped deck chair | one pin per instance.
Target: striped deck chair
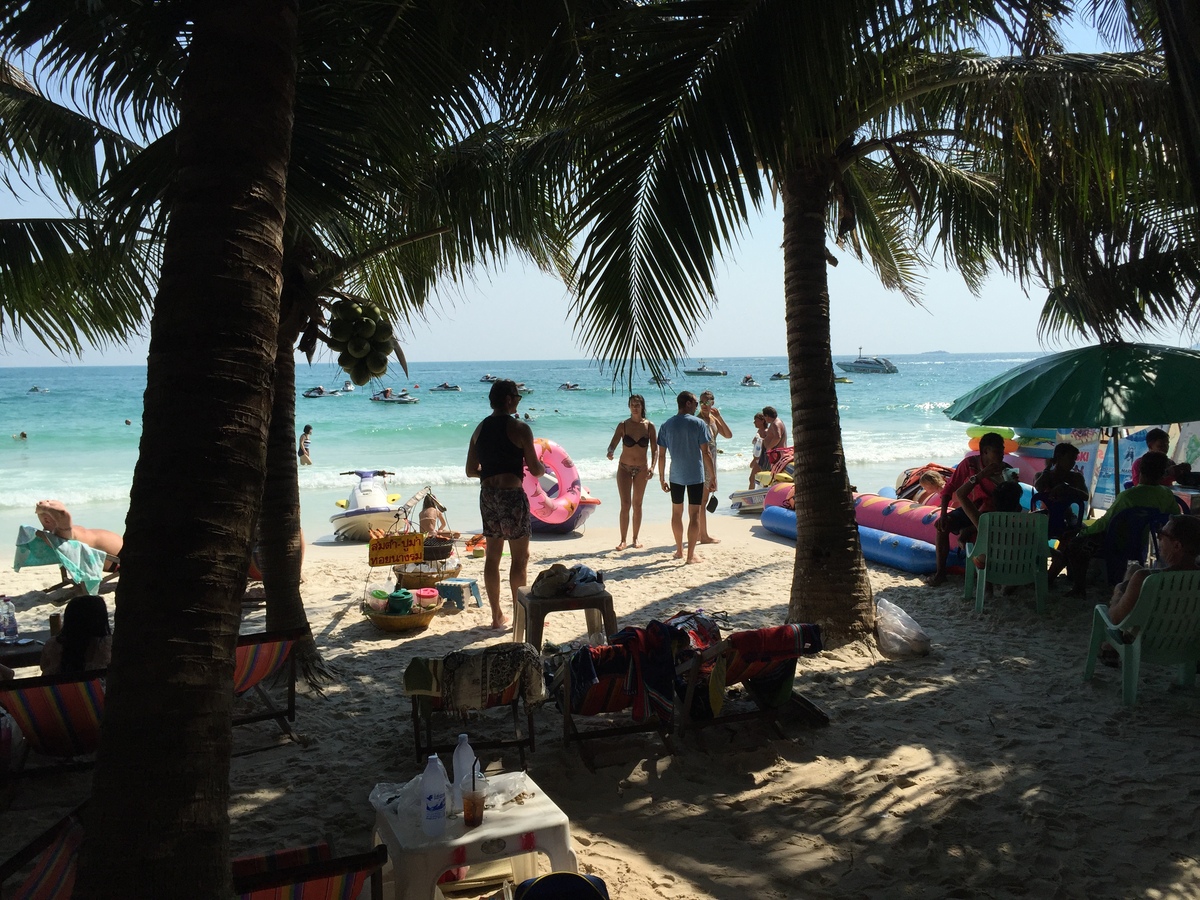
(59, 716)
(54, 855)
(633, 673)
(259, 657)
(763, 660)
(309, 873)
(496, 676)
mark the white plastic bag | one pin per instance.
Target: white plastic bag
(899, 635)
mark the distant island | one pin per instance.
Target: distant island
(935, 353)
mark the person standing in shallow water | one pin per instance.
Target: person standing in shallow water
(501, 449)
(639, 451)
(305, 443)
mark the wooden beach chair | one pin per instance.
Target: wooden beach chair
(635, 673)
(55, 856)
(1163, 628)
(59, 717)
(471, 680)
(763, 660)
(312, 871)
(261, 656)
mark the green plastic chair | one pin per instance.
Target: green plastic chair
(1163, 628)
(1015, 551)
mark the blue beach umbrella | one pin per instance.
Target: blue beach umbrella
(1109, 385)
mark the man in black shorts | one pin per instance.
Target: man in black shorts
(501, 449)
(685, 437)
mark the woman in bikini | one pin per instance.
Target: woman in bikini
(639, 452)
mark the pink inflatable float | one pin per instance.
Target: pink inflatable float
(556, 509)
(903, 517)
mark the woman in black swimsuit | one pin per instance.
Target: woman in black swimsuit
(636, 466)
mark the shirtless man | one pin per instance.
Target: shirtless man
(501, 449)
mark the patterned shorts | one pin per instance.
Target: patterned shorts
(505, 513)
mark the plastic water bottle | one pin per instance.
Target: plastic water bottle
(463, 761)
(433, 798)
(10, 621)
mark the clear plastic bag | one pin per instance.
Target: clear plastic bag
(899, 635)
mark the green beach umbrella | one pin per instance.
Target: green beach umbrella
(1105, 386)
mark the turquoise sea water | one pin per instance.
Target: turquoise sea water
(80, 451)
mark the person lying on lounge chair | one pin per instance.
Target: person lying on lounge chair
(55, 519)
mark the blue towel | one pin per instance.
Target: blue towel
(83, 563)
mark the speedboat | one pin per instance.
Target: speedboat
(387, 395)
(748, 381)
(869, 365)
(703, 369)
(781, 376)
(569, 386)
(522, 390)
(347, 387)
(842, 379)
(320, 392)
(489, 378)
(660, 380)
(445, 386)
(368, 506)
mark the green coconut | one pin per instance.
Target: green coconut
(364, 327)
(358, 347)
(345, 360)
(341, 330)
(359, 373)
(377, 363)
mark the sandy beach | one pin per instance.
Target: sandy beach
(987, 769)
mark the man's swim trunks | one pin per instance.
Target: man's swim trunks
(505, 513)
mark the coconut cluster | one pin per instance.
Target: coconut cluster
(361, 335)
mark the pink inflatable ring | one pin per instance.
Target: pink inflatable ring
(560, 507)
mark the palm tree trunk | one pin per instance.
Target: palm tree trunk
(158, 822)
(280, 542)
(829, 581)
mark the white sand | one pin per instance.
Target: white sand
(988, 769)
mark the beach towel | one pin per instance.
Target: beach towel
(38, 548)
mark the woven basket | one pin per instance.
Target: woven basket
(412, 580)
(388, 622)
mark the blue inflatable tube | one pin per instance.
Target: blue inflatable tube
(899, 552)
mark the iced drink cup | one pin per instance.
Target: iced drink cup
(473, 807)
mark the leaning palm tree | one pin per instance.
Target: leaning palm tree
(876, 128)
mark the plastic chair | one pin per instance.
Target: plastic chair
(1015, 549)
(764, 660)
(55, 855)
(1163, 628)
(1057, 511)
(59, 715)
(496, 676)
(1130, 535)
(309, 872)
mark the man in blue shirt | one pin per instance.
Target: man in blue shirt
(685, 437)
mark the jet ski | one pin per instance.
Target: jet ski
(368, 506)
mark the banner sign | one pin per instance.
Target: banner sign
(396, 549)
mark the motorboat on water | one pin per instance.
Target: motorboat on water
(842, 379)
(781, 376)
(489, 378)
(569, 386)
(748, 381)
(38, 390)
(445, 386)
(522, 390)
(703, 369)
(347, 387)
(320, 392)
(869, 365)
(387, 395)
(368, 506)
(660, 380)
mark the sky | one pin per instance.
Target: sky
(520, 313)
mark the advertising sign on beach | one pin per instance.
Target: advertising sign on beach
(396, 550)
